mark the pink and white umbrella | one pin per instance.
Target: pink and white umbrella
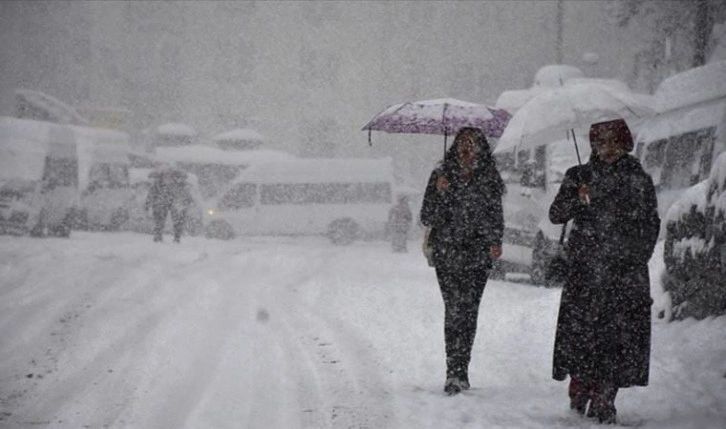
(445, 116)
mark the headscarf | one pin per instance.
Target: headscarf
(616, 128)
(485, 165)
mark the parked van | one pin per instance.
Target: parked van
(679, 145)
(104, 178)
(38, 177)
(683, 147)
(94, 164)
(344, 199)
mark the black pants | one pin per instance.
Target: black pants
(177, 218)
(462, 291)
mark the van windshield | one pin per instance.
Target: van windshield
(684, 159)
(60, 172)
(326, 193)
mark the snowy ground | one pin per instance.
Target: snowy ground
(114, 331)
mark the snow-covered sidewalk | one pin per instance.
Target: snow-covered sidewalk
(114, 331)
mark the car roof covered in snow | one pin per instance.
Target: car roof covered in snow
(692, 86)
(320, 171)
(202, 154)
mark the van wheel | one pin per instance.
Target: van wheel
(220, 230)
(343, 231)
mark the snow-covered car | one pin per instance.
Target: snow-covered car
(694, 251)
(139, 220)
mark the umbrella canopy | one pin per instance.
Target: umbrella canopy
(550, 116)
(441, 116)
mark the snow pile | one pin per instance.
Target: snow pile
(692, 198)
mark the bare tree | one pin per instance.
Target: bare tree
(680, 28)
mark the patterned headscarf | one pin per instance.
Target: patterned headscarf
(616, 128)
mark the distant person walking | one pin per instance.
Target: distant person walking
(462, 209)
(399, 223)
(169, 194)
(603, 329)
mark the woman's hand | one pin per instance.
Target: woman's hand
(442, 183)
(583, 192)
(495, 252)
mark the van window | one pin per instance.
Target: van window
(326, 193)
(688, 158)
(109, 176)
(60, 172)
(240, 196)
(655, 154)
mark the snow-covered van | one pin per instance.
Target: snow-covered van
(104, 165)
(679, 145)
(38, 177)
(343, 199)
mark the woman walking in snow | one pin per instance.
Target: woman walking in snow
(603, 329)
(462, 207)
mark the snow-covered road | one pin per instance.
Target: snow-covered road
(114, 331)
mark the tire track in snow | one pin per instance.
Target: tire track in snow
(341, 368)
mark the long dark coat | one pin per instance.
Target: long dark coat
(466, 219)
(604, 323)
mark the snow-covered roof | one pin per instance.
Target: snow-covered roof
(667, 124)
(555, 75)
(692, 86)
(210, 155)
(308, 170)
(176, 129)
(239, 134)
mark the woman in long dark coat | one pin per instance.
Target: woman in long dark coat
(463, 207)
(603, 330)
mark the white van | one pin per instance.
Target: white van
(343, 199)
(679, 145)
(38, 177)
(104, 165)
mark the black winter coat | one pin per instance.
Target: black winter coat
(604, 323)
(466, 219)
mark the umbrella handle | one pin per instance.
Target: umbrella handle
(577, 149)
(369, 138)
(446, 134)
